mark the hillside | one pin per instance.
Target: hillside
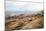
(25, 22)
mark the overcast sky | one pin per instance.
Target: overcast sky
(22, 6)
(28, 0)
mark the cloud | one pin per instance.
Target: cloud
(30, 6)
(26, 0)
(29, 0)
(22, 6)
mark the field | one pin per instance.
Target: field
(23, 22)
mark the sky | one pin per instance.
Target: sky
(28, 0)
(16, 5)
(23, 6)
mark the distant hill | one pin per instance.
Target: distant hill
(10, 13)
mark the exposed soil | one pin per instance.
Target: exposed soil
(24, 23)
